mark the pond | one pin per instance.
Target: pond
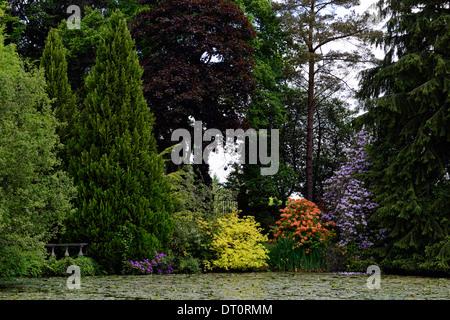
(229, 286)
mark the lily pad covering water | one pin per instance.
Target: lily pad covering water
(229, 286)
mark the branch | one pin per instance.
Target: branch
(340, 79)
(347, 35)
(323, 5)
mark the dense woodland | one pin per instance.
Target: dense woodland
(86, 118)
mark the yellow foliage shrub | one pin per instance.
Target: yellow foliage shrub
(238, 243)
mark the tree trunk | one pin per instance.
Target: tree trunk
(310, 127)
(310, 134)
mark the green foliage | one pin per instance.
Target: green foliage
(88, 266)
(254, 190)
(193, 202)
(30, 22)
(16, 26)
(19, 261)
(123, 190)
(407, 102)
(189, 239)
(270, 49)
(190, 194)
(285, 255)
(128, 7)
(237, 244)
(81, 45)
(189, 264)
(34, 195)
(53, 62)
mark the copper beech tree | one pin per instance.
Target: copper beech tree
(196, 57)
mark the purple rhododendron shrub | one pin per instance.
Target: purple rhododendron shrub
(347, 200)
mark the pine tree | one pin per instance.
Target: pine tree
(313, 25)
(408, 102)
(124, 199)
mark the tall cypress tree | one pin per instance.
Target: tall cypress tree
(53, 62)
(124, 199)
(408, 104)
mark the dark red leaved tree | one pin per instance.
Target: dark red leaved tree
(196, 56)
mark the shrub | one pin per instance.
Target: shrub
(160, 265)
(237, 243)
(347, 199)
(190, 238)
(300, 237)
(88, 266)
(18, 261)
(301, 222)
(189, 264)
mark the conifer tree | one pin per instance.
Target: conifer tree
(53, 62)
(407, 99)
(313, 25)
(124, 199)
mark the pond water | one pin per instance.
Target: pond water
(229, 286)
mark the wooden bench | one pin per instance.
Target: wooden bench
(67, 245)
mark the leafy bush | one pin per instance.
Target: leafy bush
(17, 262)
(347, 199)
(348, 258)
(189, 264)
(300, 237)
(301, 222)
(35, 195)
(193, 203)
(160, 265)
(88, 266)
(190, 237)
(237, 243)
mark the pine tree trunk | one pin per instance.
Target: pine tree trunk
(310, 134)
(310, 127)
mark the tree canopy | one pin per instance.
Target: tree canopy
(87, 117)
(123, 193)
(35, 195)
(407, 101)
(196, 57)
